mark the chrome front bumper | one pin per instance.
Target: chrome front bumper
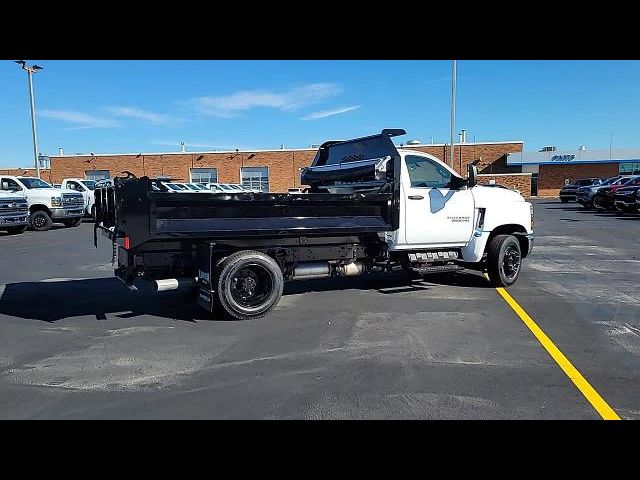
(67, 212)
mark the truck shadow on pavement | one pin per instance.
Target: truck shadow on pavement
(53, 301)
(99, 297)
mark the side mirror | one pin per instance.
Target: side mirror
(472, 175)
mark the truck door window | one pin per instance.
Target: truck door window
(11, 185)
(74, 186)
(425, 173)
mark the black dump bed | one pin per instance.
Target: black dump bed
(134, 207)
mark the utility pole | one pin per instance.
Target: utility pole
(453, 110)
(30, 71)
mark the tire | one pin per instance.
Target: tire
(72, 222)
(504, 260)
(17, 230)
(40, 221)
(587, 205)
(249, 284)
(596, 203)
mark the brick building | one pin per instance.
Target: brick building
(272, 170)
(551, 170)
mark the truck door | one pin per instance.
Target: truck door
(435, 213)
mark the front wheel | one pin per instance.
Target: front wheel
(249, 284)
(504, 260)
(72, 222)
(40, 221)
(597, 203)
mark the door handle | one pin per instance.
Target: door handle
(415, 197)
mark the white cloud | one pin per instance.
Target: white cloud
(80, 119)
(133, 112)
(292, 99)
(330, 113)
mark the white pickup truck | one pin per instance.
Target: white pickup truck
(370, 207)
(47, 205)
(86, 188)
(14, 213)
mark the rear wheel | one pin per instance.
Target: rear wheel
(16, 230)
(504, 260)
(40, 221)
(249, 284)
(72, 222)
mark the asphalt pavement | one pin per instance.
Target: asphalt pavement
(75, 343)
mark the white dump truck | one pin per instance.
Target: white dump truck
(370, 207)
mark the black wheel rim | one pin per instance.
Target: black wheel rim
(511, 262)
(39, 221)
(251, 286)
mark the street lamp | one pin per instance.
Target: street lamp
(453, 110)
(30, 71)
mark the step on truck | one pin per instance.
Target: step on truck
(369, 207)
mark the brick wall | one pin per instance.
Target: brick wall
(492, 156)
(551, 177)
(27, 172)
(518, 181)
(284, 165)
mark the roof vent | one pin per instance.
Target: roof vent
(413, 142)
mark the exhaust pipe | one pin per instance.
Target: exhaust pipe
(308, 270)
(168, 284)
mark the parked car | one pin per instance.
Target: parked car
(584, 195)
(604, 198)
(86, 188)
(47, 205)
(568, 192)
(625, 199)
(175, 187)
(14, 212)
(192, 187)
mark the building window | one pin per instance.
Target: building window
(204, 175)
(255, 178)
(96, 174)
(629, 169)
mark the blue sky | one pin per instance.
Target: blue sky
(150, 106)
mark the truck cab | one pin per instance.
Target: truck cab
(47, 205)
(84, 187)
(440, 209)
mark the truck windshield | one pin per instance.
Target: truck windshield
(31, 183)
(610, 180)
(90, 184)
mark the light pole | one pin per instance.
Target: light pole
(30, 71)
(453, 110)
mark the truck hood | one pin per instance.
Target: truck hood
(11, 195)
(486, 196)
(49, 192)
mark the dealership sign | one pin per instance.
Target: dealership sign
(562, 158)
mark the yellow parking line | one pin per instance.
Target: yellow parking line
(593, 397)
